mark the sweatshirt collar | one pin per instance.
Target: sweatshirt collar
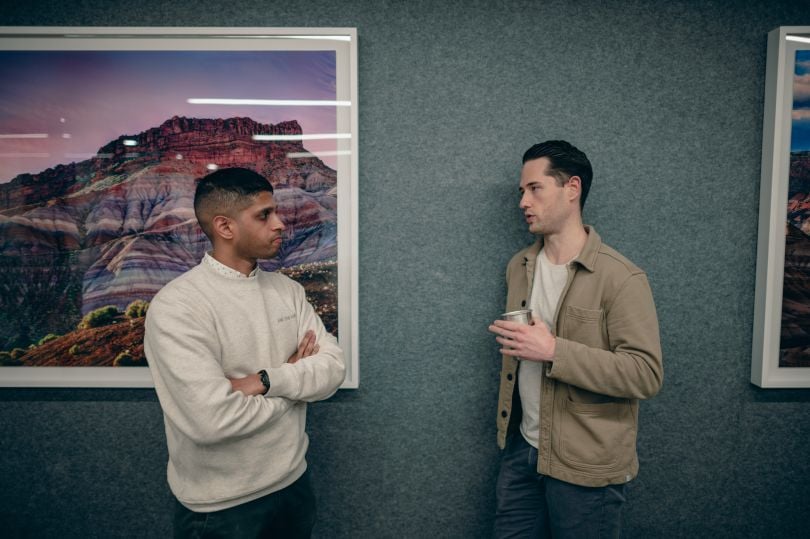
(227, 271)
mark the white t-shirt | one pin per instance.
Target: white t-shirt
(549, 282)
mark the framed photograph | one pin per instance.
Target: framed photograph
(103, 132)
(781, 340)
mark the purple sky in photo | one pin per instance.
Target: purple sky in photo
(800, 129)
(71, 103)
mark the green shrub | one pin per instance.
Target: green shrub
(74, 350)
(102, 316)
(124, 359)
(17, 353)
(137, 309)
(46, 338)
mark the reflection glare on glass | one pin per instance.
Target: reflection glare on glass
(321, 136)
(305, 155)
(23, 135)
(269, 102)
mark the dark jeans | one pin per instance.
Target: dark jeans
(288, 513)
(530, 504)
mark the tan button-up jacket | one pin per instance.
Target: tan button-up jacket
(608, 356)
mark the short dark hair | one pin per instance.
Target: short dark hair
(565, 161)
(224, 191)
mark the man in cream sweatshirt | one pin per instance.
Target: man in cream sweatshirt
(236, 353)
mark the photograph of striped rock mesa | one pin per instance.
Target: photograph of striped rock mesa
(795, 336)
(99, 152)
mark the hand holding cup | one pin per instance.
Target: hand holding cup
(524, 337)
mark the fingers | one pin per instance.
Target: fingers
(511, 331)
(302, 346)
(513, 335)
(509, 345)
(506, 324)
(309, 343)
(307, 347)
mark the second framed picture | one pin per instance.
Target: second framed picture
(781, 340)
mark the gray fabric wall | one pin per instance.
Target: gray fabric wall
(666, 97)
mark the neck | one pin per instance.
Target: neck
(562, 247)
(242, 265)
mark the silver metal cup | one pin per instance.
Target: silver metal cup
(523, 316)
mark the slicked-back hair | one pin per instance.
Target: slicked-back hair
(224, 192)
(565, 160)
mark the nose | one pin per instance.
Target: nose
(278, 224)
(524, 201)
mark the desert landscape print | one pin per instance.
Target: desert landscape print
(99, 152)
(795, 335)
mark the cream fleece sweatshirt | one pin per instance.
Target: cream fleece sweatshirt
(226, 448)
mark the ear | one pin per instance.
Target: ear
(223, 227)
(574, 184)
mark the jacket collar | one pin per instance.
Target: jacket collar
(586, 258)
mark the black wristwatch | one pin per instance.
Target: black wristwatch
(265, 380)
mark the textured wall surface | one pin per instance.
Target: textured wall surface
(666, 98)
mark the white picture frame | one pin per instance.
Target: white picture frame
(341, 41)
(771, 365)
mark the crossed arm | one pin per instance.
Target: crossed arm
(201, 402)
(252, 384)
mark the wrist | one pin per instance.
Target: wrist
(264, 380)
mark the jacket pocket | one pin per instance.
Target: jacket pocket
(597, 437)
(585, 326)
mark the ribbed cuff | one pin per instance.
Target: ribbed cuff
(557, 366)
(283, 381)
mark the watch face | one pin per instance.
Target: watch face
(265, 380)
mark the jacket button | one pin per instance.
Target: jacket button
(523, 303)
(503, 413)
(509, 376)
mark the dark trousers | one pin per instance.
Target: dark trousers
(530, 504)
(288, 513)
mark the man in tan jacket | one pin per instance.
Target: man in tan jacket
(571, 381)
